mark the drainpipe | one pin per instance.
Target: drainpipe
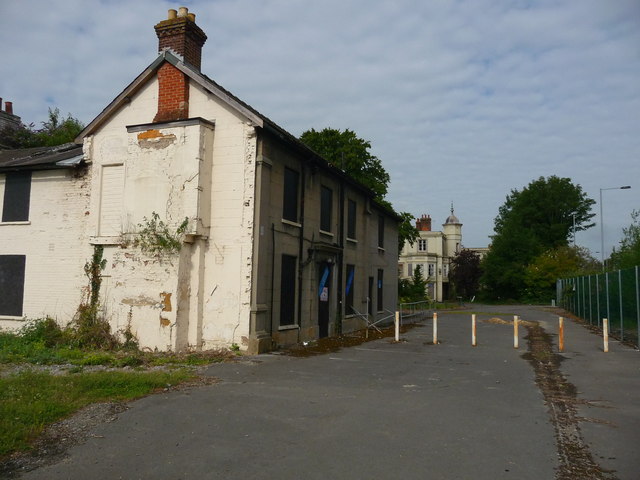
(301, 246)
(341, 309)
(273, 275)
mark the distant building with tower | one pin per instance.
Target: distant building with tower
(433, 251)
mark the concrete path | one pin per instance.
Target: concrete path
(383, 410)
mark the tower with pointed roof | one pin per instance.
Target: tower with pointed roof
(452, 229)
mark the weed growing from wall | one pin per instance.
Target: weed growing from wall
(156, 237)
(91, 329)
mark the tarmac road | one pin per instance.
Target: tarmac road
(382, 410)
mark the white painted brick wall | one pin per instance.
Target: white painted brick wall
(54, 245)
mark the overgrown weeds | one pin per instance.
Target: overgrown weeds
(156, 237)
(90, 329)
(44, 342)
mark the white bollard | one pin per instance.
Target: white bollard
(397, 326)
(605, 334)
(435, 328)
(473, 330)
(515, 331)
(561, 334)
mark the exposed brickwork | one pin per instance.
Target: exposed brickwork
(184, 37)
(423, 224)
(173, 94)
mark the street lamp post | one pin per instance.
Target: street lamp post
(626, 187)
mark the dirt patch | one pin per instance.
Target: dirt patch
(560, 396)
(352, 339)
(500, 321)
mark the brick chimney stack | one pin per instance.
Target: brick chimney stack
(423, 224)
(180, 34)
(7, 117)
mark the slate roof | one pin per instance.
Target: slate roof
(245, 109)
(67, 155)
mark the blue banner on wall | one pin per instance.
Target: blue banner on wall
(323, 280)
(350, 281)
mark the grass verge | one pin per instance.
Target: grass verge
(31, 400)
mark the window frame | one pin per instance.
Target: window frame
(16, 204)
(288, 274)
(381, 231)
(326, 209)
(290, 195)
(352, 224)
(12, 284)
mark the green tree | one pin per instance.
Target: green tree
(407, 232)
(55, 131)
(628, 254)
(413, 289)
(465, 273)
(532, 221)
(346, 151)
(541, 274)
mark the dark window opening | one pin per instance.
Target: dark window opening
(351, 219)
(12, 284)
(17, 190)
(349, 289)
(380, 291)
(290, 201)
(326, 205)
(380, 231)
(288, 290)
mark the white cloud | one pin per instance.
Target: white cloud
(462, 101)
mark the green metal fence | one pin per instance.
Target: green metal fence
(612, 295)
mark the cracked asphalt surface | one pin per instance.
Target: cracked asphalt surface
(388, 410)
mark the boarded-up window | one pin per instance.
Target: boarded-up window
(290, 200)
(111, 191)
(12, 284)
(351, 219)
(17, 190)
(350, 287)
(380, 290)
(326, 205)
(288, 290)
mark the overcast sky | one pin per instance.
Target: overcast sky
(461, 100)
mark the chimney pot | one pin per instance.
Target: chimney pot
(8, 107)
(172, 14)
(192, 17)
(183, 11)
